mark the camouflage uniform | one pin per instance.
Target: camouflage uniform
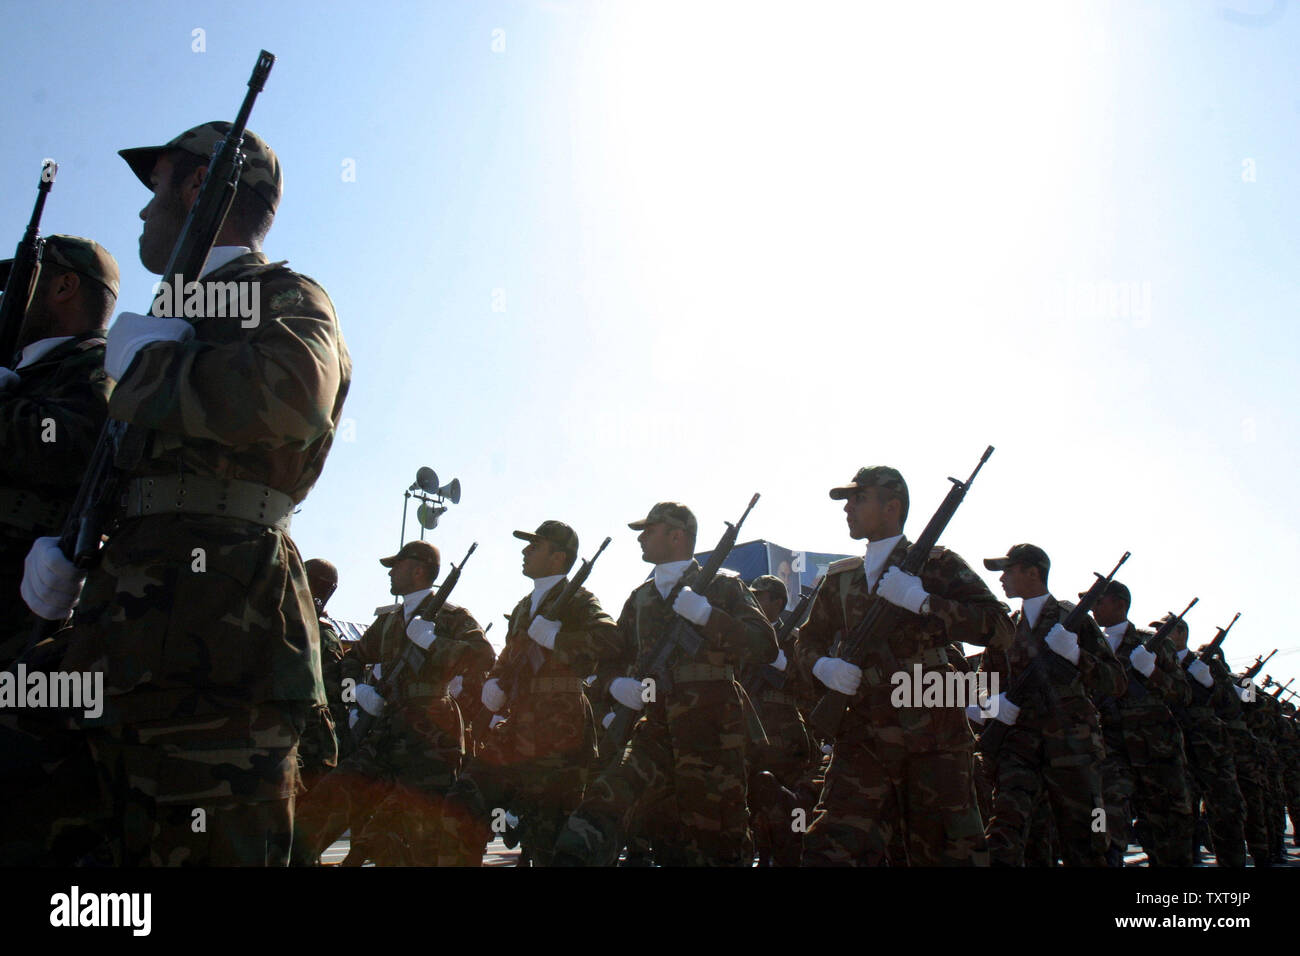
(894, 769)
(690, 744)
(398, 775)
(535, 762)
(212, 666)
(1260, 715)
(1055, 744)
(327, 738)
(1144, 773)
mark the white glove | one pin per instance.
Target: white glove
(627, 691)
(1065, 643)
(353, 716)
(607, 720)
(421, 633)
(512, 821)
(1000, 708)
(1143, 661)
(780, 663)
(826, 748)
(368, 699)
(543, 631)
(496, 719)
(838, 675)
(7, 378)
(1246, 693)
(456, 685)
(974, 713)
(51, 583)
(1200, 671)
(902, 589)
(376, 672)
(493, 697)
(694, 607)
(133, 332)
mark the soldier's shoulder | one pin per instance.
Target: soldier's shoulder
(286, 292)
(843, 566)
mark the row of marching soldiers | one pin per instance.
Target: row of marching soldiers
(1118, 740)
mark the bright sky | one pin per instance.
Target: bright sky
(589, 256)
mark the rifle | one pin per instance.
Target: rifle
(995, 731)
(26, 265)
(881, 616)
(1164, 634)
(1277, 694)
(766, 674)
(1256, 667)
(531, 660)
(412, 656)
(680, 640)
(120, 447)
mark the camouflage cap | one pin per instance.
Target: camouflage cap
(553, 532)
(260, 173)
(1116, 590)
(83, 256)
(416, 551)
(772, 584)
(671, 513)
(873, 476)
(1028, 554)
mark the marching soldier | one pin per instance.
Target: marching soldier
(690, 745)
(1144, 773)
(199, 614)
(536, 760)
(896, 769)
(398, 776)
(322, 743)
(1054, 746)
(1260, 711)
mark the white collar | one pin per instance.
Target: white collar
(33, 352)
(1032, 607)
(541, 586)
(1115, 633)
(220, 255)
(878, 553)
(411, 601)
(668, 574)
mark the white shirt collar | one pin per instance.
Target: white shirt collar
(878, 553)
(668, 574)
(220, 255)
(541, 586)
(34, 351)
(1115, 633)
(1032, 607)
(411, 601)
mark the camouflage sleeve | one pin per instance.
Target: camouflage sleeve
(737, 622)
(1163, 681)
(331, 665)
(588, 635)
(507, 660)
(470, 654)
(76, 403)
(286, 370)
(366, 650)
(817, 635)
(961, 600)
(1103, 675)
(620, 658)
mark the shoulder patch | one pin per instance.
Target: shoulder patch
(842, 565)
(727, 573)
(387, 609)
(286, 300)
(938, 551)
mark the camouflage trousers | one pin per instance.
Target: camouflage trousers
(1063, 765)
(395, 781)
(1245, 758)
(691, 748)
(775, 770)
(211, 790)
(875, 797)
(1144, 775)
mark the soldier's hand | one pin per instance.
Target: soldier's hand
(421, 633)
(543, 631)
(368, 699)
(1143, 661)
(1001, 708)
(780, 663)
(51, 583)
(1065, 643)
(7, 378)
(838, 675)
(1200, 672)
(496, 719)
(133, 332)
(902, 590)
(694, 607)
(607, 720)
(377, 671)
(975, 714)
(627, 691)
(456, 685)
(493, 697)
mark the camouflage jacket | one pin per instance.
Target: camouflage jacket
(260, 404)
(548, 712)
(1072, 689)
(460, 647)
(332, 653)
(961, 609)
(49, 421)
(1148, 701)
(736, 631)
